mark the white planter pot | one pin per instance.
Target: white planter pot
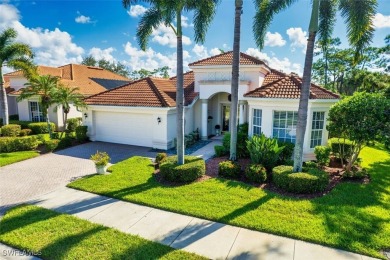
(101, 169)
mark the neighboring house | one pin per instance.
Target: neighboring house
(143, 112)
(90, 81)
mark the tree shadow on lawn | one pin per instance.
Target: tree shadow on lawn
(355, 215)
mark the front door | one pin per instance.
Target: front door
(225, 117)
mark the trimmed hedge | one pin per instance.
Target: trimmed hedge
(81, 133)
(219, 150)
(302, 182)
(256, 173)
(229, 169)
(41, 128)
(322, 155)
(52, 144)
(25, 132)
(23, 124)
(10, 130)
(73, 123)
(193, 168)
(16, 144)
(341, 147)
(286, 155)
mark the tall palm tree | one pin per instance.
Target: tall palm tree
(45, 88)
(168, 12)
(358, 15)
(65, 97)
(235, 80)
(16, 56)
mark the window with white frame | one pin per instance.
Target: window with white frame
(317, 127)
(257, 114)
(36, 112)
(285, 125)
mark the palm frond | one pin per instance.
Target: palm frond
(6, 37)
(327, 17)
(204, 12)
(358, 17)
(150, 20)
(265, 11)
(24, 64)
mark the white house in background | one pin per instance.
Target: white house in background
(143, 112)
(90, 81)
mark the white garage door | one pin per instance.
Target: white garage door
(124, 128)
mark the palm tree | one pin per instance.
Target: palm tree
(45, 88)
(235, 79)
(167, 12)
(358, 15)
(13, 55)
(64, 97)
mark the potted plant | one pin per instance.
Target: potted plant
(101, 160)
(217, 129)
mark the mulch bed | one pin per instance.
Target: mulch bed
(335, 177)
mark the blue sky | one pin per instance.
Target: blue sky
(63, 32)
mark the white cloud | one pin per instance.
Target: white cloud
(184, 22)
(165, 36)
(381, 21)
(284, 64)
(298, 38)
(215, 51)
(151, 59)
(200, 51)
(52, 48)
(99, 54)
(83, 19)
(274, 39)
(136, 10)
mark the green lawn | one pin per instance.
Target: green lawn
(353, 216)
(53, 235)
(8, 158)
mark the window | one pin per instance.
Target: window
(285, 125)
(257, 113)
(317, 127)
(36, 112)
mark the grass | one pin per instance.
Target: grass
(9, 158)
(51, 235)
(353, 216)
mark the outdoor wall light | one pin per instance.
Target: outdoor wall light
(158, 120)
(85, 115)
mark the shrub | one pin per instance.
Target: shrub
(355, 173)
(64, 143)
(160, 157)
(10, 130)
(219, 150)
(100, 158)
(309, 165)
(264, 151)
(25, 132)
(23, 124)
(41, 128)
(322, 155)
(81, 133)
(72, 123)
(229, 169)
(16, 144)
(51, 145)
(14, 117)
(242, 151)
(341, 148)
(286, 155)
(302, 182)
(193, 168)
(256, 173)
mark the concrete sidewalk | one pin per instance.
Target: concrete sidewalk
(203, 237)
(207, 151)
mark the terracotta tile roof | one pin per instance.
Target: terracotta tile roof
(226, 58)
(280, 85)
(90, 80)
(146, 92)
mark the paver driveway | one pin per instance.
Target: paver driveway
(28, 179)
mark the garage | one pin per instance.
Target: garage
(124, 128)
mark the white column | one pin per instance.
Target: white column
(204, 119)
(242, 114)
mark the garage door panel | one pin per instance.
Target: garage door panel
(126, 128)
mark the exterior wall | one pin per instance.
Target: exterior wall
(268, 106)
(12, 105)
(24, 110)
(17, 82)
